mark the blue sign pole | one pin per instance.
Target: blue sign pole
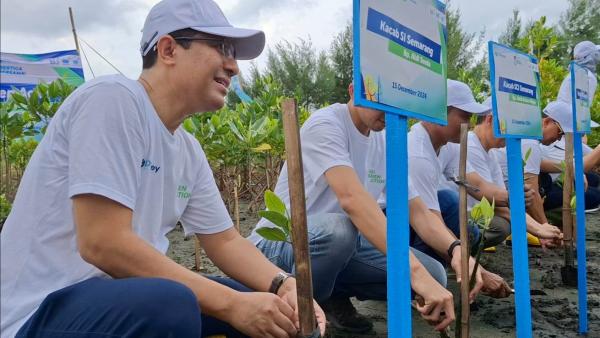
(398, 276)
(519, 237)
(580, 210)
(581, 124)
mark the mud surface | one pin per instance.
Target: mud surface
(553, 315)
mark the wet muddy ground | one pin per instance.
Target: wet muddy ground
(553, 315)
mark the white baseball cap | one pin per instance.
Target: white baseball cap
(204, 16)
(560, 112)
(460, 96)
(583, 49)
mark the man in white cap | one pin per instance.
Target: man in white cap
(83, 250)
(488, 180)
(587, 55)
(343, 151)
(426, 170)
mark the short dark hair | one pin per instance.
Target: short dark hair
(149, 59)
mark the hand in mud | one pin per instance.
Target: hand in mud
(529, 194)
(494, 285)
(456, 265)
(550, 236)
(437, 307)
(261, 314)
(287, 292)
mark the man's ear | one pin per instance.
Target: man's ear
(351, 89)
(165, 49)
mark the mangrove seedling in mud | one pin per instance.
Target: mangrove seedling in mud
(276, 212)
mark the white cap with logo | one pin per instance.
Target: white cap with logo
(204, 16)
(585, 48)
(560, 112)
(460, 96)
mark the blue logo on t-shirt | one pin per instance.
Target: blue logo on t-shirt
(147, 164)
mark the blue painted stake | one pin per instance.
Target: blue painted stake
(519, 237)
(398, 275)
(580, 209)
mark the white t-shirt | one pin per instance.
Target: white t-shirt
(106, 139)
(484, 164)
(533, 163)
(428, 172)
(500, 155)
(556, 153)
(564, 93)
(449, 158)
(329, 139)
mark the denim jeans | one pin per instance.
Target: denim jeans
(128, 307)
(448, 200)
(343, 262)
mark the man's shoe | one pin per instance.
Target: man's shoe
(342, 315)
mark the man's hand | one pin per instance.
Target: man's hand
(456, 265)
(262, 314)
(529, 194)
(436, 306)
(550, 236)
(494, 285)
(287, 292)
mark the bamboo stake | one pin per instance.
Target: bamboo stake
(236, 205)
(464, 235)
(73, 29)
(308, 327)
(567, 214)
(197, 254)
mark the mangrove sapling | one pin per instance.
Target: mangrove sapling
(276, 212)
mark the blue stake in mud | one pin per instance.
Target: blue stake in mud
(403, 81)
(515, 82)
(397, 233)
(519, 237)
(580, 104)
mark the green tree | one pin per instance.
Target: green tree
(463, 47)
(512, 32)
(340, 53)
(302, 73)
(581, 21)
(540, 40)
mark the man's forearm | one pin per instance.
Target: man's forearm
(239, 259)
(430, 228)
(367, 216)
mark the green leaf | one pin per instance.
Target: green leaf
(276, 218)
(274, 203)
(272, 234)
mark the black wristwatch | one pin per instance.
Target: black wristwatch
(278, 280)
(452, 246)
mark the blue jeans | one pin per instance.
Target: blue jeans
(448, 200)
(129, 307)
(343, 262)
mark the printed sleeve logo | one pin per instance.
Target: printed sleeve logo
(375, 178)
(182, 192)
(148, 165)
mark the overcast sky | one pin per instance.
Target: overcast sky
(113, 26)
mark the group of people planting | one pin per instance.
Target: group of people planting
(91, 260)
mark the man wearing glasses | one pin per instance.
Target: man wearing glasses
(83, 250)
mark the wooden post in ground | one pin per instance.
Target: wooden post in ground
(308, 327)
(197, 254)
(464, 234)
(236, 205)
(568, 272)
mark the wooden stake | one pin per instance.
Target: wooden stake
(73, 29)
(298, 214)
(236, 205)
(567, 213)
(464, 235)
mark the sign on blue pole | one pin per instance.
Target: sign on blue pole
(400, 68)
(516, 108)
(580, 103)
